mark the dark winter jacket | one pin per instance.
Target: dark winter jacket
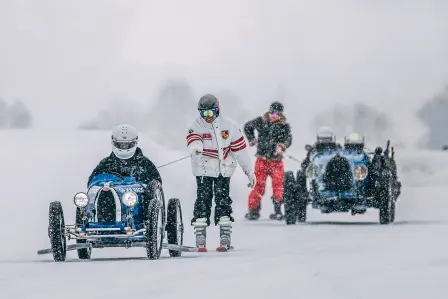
(270, 134)
(138, 166)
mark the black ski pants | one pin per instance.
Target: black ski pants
(207, 187)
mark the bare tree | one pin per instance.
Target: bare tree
(434, 115)
(117, 111)
(175, 107)
(19, 116)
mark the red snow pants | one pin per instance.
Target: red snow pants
(263, 169)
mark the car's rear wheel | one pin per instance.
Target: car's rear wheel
(56, 232)
(174, 225)
(387, 204)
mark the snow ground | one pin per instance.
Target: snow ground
(332, 256)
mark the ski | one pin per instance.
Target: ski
(224, 249)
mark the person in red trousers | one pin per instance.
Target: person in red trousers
(274, 137)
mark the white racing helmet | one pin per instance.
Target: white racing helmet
(354, 138)
(325, 135)
(124, 141)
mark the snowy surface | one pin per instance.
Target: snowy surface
(331, 256)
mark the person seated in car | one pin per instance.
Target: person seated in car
(325, 141)
(354, 143)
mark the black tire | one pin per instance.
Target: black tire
(289, 197)
(385, 197)
(392, 212)
(155, 224)
(301, 214)
(174, 225)
(302, 195)
(83, 253)
(56, 232)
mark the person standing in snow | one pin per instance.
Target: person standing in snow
(216, 145)
(274, 137)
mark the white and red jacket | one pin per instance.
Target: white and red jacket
(222, 145)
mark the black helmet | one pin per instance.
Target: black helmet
(276, 106)
(208, 101)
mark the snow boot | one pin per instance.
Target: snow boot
(252, 215)
(200, 226)
(277, 215)
(225, 226)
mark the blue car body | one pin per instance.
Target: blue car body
(331, 201)
(125, 216)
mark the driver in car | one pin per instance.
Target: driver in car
(126, 160)
(326, 141)
(354, 143)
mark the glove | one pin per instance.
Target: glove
(252, 180)
(280, 149)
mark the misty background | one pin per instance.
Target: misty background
(377, 67)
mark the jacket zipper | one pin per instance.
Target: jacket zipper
(217, 144)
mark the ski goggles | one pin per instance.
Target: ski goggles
(124, 145)
(208, 113)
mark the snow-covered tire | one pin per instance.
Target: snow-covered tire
(301, 213)
(392, 212)
(387, 204)
(289, 197)
(174, 225)
(155, 223)
(56, 232)
(302, 196)
(83, 253)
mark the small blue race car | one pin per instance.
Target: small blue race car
(343, 180)
(118, 211)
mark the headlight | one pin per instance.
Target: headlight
(81, 200)
(312, 171)
(360, 172)
(129, 199)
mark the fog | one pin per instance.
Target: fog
(79, 63)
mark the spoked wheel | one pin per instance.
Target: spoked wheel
(56, 232)
(83, 253)
(155, 225)
(174, 225)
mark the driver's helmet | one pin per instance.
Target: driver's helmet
(354, 142)
(124, 141)
(326, 140)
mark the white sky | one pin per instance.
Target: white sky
(65, 59)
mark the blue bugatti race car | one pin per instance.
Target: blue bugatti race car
(343, 179)
(118, 212)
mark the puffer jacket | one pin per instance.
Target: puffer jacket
(138, 166)
(270, 134)
(222, 145)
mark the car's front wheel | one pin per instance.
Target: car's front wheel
(56, 232)
(83, 253)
